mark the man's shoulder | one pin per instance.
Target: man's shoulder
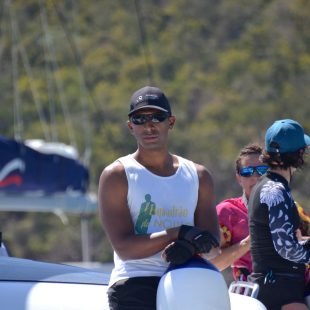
(115, 169)
(202, 170)
(187, 160)
(189, 164)
(113, 178)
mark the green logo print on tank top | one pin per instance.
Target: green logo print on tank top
(146, 211)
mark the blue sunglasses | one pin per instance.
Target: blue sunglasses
(249, 171)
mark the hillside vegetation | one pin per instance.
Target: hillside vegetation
(68, 69)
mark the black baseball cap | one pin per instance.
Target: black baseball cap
(149, 97)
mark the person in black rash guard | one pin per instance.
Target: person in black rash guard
(278, 257)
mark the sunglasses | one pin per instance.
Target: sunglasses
(141, 119)
(249, 171)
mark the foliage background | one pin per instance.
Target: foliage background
(229, 68)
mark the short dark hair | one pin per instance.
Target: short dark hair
(284, 160)
(249, 149)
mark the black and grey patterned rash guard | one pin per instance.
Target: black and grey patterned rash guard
(273, 221)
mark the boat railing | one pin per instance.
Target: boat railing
(244, 288)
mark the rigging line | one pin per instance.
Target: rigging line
(27, 66)
(16, 102)
(63, 104)
(50, 88)
(85, 115)
(75, 51)
(2, 23)
(17, 112)
(84, 87)
(18, 124)
(64, 107)
(143, 37)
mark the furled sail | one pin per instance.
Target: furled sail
(38, 176)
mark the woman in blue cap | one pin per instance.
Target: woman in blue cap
(278, 257)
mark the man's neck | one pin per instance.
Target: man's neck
(162, 164)
(245, 199)
(286, 173)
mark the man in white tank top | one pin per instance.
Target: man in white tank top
(156, 207)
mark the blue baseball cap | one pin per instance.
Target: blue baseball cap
(285, 136)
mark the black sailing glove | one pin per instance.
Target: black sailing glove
(178, 252)
(202, 240)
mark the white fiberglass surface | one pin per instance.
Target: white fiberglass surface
(52, 296)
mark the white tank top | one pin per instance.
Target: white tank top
(156, 203)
